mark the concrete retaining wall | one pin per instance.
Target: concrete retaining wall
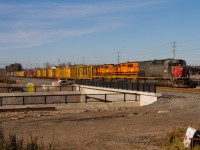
(145, 98)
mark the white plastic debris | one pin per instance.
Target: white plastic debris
(189, 134)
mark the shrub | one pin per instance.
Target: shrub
(12, 143)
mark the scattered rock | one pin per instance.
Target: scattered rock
(14, 118)
(123, 129)
(163, 111)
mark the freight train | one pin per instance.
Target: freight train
(165, 72)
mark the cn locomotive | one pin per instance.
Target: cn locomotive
(165, 72)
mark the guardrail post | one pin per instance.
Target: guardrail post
(105, 97)
(45, 99)
(85, 98)
(65, 99)
(124, 97)
(1, 101)
(136, 97)
(23, 100)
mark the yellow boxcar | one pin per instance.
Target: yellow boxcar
(73, 73)
(66, 72)
(20, 73)
(59, 72)
(51, 73)
(39, 73)
(44, 73)
(84, 72)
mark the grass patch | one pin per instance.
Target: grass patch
(174, 140)
(14, 143)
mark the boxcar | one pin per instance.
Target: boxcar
(44, 73)
(84, 72)
(51, 73)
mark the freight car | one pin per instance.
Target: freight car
(165, 72)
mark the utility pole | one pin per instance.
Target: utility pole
(59, 62)
(174, 49)
(118, 57)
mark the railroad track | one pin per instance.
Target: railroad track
(185, 90)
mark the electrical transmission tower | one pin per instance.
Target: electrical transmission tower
(83, 60)
(174, 49)
(118, 57)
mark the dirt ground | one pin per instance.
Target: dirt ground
(99, 129)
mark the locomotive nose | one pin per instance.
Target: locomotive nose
(179, 72)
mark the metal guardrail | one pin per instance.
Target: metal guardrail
(66, 98)
(38, 89)
(133, 86)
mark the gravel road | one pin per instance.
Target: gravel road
(119, 128)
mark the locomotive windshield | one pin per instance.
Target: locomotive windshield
(178, 63)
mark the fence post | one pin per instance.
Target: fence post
(105, 98)
(132, 86)
(143, 87)
(138, 86)
(149, 89)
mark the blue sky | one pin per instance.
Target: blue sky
(39, 31)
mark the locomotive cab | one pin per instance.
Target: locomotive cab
(179, 69)
(180, 74)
